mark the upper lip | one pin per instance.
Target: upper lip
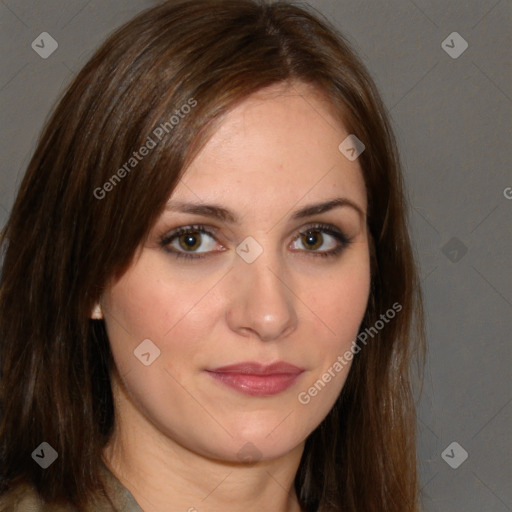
(254, 368)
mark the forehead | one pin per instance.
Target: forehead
(279, 144)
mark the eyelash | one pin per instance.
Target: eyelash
(337, 234)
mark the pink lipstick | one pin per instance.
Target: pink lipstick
(256, 379)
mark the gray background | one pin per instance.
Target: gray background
(452, 118)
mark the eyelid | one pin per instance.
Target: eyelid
(201, 228)
(323, 227)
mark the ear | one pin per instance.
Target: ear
(97, 313)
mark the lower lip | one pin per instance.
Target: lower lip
(257, 385)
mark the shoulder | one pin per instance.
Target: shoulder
(24, 498)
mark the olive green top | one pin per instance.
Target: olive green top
(24, 498)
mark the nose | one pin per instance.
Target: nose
(262, 303)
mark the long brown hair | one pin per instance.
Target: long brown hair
(78, 220)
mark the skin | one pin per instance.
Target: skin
(178, 431)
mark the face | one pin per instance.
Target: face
(228, 325)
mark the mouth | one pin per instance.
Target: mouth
(255, 379)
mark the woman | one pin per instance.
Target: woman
(208, 292)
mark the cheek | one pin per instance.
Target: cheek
(339, 306)
(349, 305)
(157, 332)
(175, 314)
(339, 299)
(337, 302)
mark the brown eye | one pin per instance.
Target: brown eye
(190, 241)
(312, 239)
(321, 240)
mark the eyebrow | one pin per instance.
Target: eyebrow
(225, 215)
